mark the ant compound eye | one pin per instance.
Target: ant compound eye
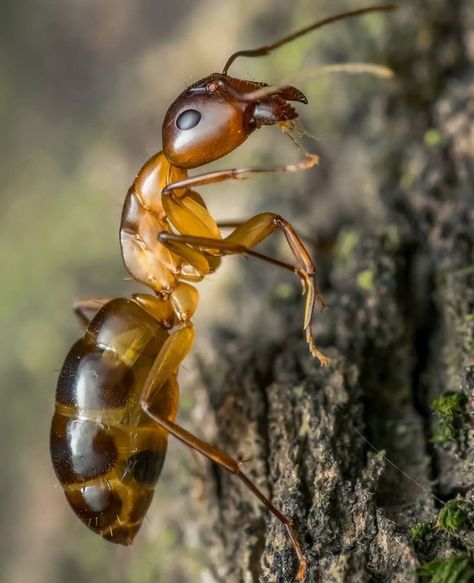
(188, 119)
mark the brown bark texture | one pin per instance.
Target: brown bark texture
(400, 333)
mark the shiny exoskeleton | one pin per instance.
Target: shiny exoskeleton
(117, 394)
(107, 452)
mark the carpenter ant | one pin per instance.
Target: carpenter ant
(117, 393)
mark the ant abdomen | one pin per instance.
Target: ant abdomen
(106, 452)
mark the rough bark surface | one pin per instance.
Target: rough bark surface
(399, 331)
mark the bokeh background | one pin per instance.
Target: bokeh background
(84, 86)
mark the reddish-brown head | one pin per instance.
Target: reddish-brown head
(215, 115)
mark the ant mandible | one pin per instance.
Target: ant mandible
(117, 393)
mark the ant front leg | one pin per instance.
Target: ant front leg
(238, 174)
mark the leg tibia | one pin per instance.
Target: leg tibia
(259, 228)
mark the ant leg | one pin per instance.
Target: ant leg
(237, 174)
(171, 241)
(80, 308)
(259, 228)
(235, 224)
(247, 236)
(164, 368)
(231, 465)
(230, 224)
(172, 353)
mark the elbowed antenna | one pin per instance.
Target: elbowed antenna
(265, 50)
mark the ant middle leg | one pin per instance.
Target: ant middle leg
(258, 228)
(233, 224)
(243, 239)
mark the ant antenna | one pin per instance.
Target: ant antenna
(348, 68)
(265, 50)
(373, 69)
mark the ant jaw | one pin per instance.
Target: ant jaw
(272, 111)
(290, 93)
(270, 104)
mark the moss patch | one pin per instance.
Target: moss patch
(458, 568)
(450, 411)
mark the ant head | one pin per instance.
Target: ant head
(215, 115)
(212, 117)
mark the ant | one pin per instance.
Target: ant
(117, 393)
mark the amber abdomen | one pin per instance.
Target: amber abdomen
(106, 452)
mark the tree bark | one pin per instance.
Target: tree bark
(399, 331)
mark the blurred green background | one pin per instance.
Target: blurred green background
(84, 86)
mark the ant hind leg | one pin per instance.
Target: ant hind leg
(80, 307)
(231, 465)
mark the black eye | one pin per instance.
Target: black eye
(188, 119)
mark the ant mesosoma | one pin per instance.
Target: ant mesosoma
(117, 393)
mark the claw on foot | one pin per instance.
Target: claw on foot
(301, 571)
(322, 304)
(312, 296)
(299, 553)
(315, 352)
(241, 463)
